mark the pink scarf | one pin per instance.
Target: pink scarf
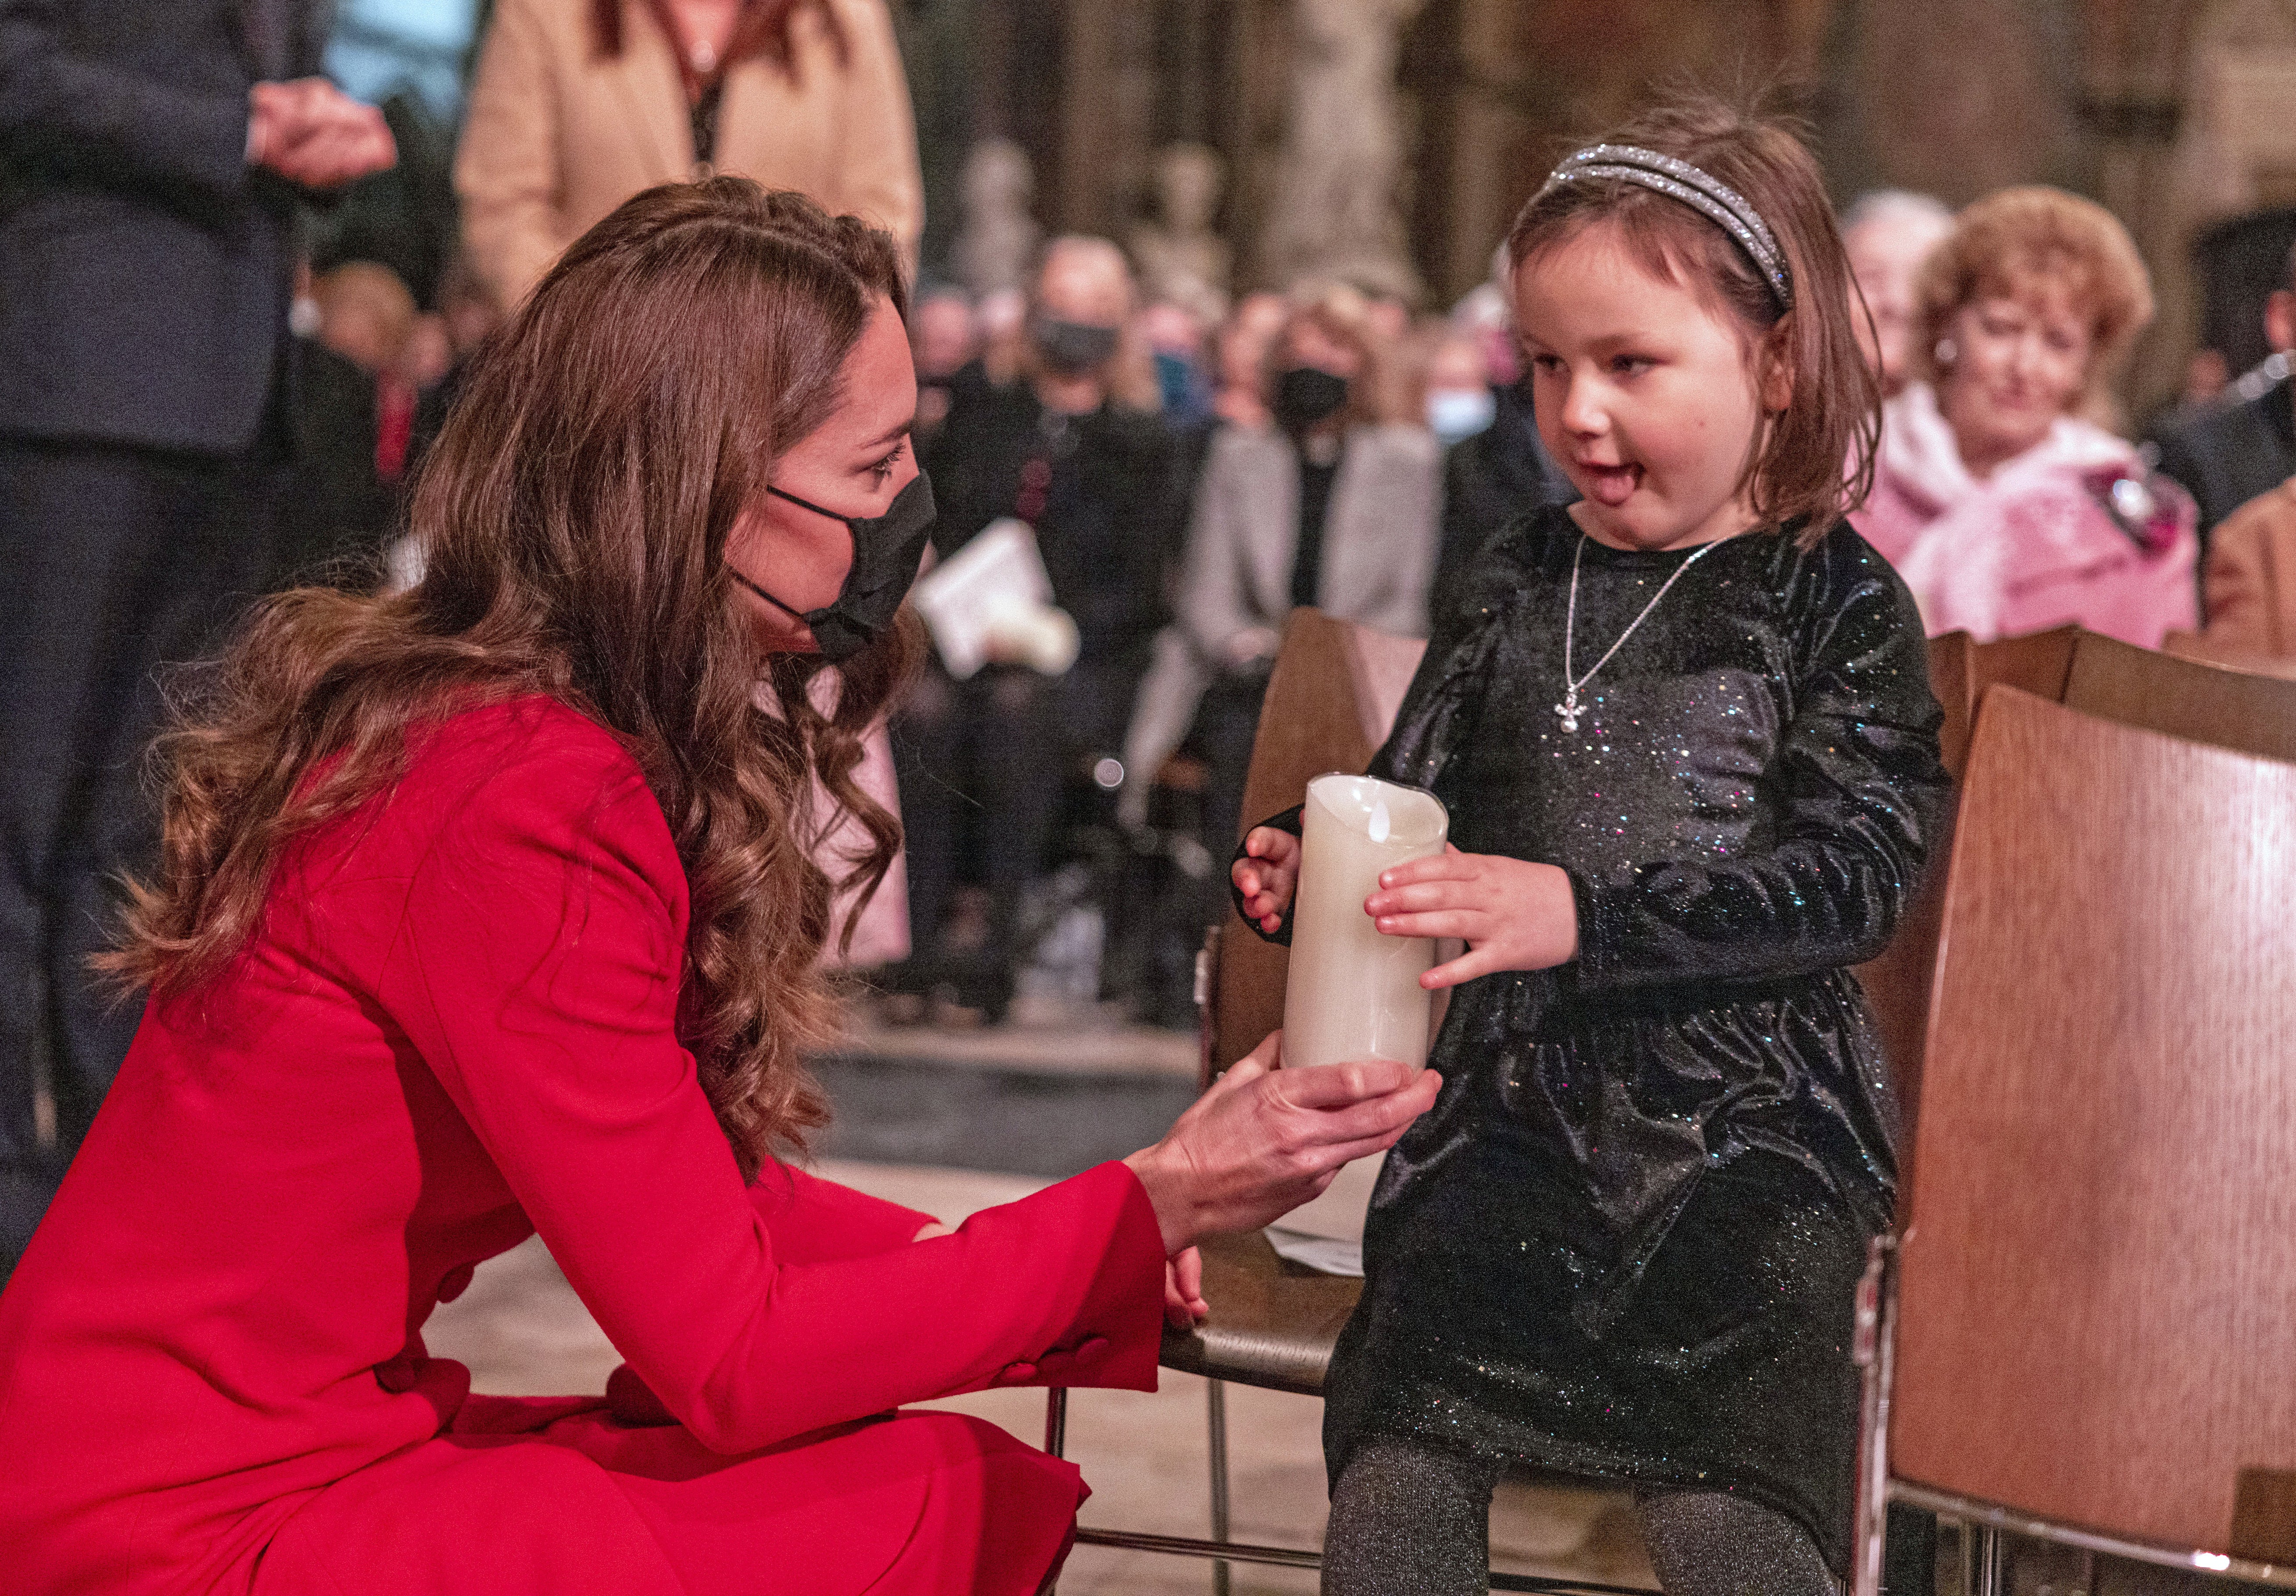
(2076, 530)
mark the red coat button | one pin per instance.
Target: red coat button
(399, 1375)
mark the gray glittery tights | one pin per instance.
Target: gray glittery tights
(1411, 1518)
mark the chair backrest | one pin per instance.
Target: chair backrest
(2038, 663)
(2184, 697)
(1898, 983)
(1333, 697)
(2200, 645)
(2096, 1314)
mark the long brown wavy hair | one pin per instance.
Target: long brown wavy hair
(573, 517)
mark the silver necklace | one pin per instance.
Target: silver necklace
(1568, 709)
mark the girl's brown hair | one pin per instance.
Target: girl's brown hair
(573, 517)
(1814, 461)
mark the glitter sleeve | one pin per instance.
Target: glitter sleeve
(1862, 795)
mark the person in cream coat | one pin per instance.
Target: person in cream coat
(578, 104)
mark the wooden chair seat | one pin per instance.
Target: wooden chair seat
(1273, 1323)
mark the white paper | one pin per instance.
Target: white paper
(1321, 1253)
(996, 576)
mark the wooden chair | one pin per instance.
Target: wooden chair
(2200, 645)
(2208, 702)
(2086, 1337)
(1331, 701)
(1898, 983)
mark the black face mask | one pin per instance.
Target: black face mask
(1305, 395)
(1072, 347)
(886, 552)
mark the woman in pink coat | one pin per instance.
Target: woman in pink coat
(2005, 511)
(486, 910)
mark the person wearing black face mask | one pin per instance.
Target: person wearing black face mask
(1073, 446)
(1332, 505)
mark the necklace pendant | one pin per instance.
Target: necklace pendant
(1568, 711)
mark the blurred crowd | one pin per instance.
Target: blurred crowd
(1187, 469)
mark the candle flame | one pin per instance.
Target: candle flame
(1379, 823)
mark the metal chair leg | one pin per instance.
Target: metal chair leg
(1215, 1436)
(1056, 1439)
(1873, 1347)
(1988, 1561)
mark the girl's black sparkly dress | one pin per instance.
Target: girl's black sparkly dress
(1625, 1241)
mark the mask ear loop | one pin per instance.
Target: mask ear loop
(793, 614)
(797, 615)
(806, 504)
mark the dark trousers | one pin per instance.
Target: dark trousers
(113, 563)
(983, 763)
(1227, 723)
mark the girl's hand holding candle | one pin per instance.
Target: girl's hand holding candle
(1267, 874)
(1512, 914)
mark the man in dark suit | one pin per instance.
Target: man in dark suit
(152, 153)
(2242, 444)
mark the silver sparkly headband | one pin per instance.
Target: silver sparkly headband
(1680, 180)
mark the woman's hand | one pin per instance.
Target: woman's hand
(1512, 914)
(930, 1229)
(1267, 876)
(1263, 1140)
(1185, 1307)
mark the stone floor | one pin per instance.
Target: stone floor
(522, 1331)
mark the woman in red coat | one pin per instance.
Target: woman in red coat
(489, 910)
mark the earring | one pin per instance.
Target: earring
(1946, 352)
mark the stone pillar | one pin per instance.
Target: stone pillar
(1334, 208)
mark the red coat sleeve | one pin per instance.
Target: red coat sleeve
(535, 965)
(812, 1220)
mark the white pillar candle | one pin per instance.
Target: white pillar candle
(1353, 992)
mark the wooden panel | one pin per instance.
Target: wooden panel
(1953, 677)
(2200, 645)
(1309, 725)
(2097, 1315)
(2186, 698)
(2037, 663)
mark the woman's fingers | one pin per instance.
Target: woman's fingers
(1183, 1295)
(1339, 1085)
(1269, 1054)
(1315, 1129)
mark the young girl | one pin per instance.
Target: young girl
(1684, 731)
